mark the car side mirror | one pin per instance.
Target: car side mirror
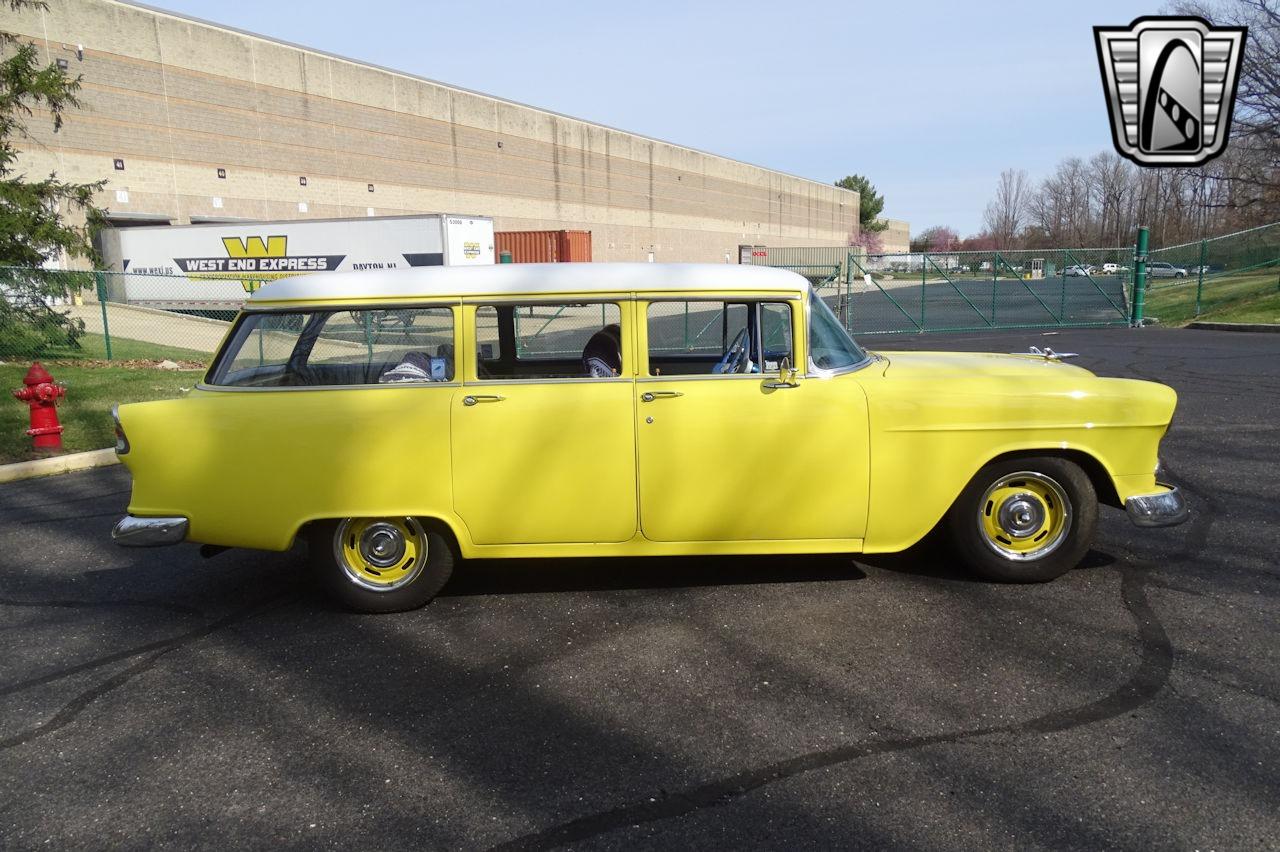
(787, 376)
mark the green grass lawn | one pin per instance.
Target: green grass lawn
(1262, 309)
(86, 411)
(94, 346)
(1175, 303)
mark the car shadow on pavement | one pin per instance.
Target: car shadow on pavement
(532, 576)
(932, 557)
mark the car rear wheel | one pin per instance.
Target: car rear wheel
(1025, 520)
(380, 564)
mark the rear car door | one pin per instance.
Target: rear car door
(543, 436)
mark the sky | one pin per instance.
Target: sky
(929, 100)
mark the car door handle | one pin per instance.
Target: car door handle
(650, 396)
(779, 384)
(472, 399)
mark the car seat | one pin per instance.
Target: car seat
(602, 356)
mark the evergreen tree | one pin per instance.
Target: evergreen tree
(870, 202)
(33, 229)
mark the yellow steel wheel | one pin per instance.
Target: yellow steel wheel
(380, 554)
(1024, 516)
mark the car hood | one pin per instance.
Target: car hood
(941, 365)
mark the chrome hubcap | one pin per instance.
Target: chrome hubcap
(382, 545)
(1024, 516)
(1021, 515)
(380, 554)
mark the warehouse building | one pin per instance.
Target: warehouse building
(193, 122)
(896, 237)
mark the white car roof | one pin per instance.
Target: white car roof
(528, 279)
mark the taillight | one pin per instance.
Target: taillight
(122, 442)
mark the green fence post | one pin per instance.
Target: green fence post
(848, 295)
(101, 278)
(1062, 305)
(924, 268)
(1140, 276)
(995, 274)
(1204, 248)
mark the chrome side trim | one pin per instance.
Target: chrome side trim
(1162, 509)
(149, 532)
(205, 386)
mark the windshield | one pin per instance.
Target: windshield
(830, 346)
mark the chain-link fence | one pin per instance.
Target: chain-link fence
(966, 291)
(122, 317)
(114, 316)
(1189, 280)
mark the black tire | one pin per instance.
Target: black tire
(1036, 485)
(359, 586)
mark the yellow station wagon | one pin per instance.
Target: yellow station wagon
(402, 420)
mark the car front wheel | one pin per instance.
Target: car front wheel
(380, 564)
(1025, 520)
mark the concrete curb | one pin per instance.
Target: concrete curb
(1235, 326)
(57, 464)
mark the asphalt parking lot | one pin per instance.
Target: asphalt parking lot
(154, 698)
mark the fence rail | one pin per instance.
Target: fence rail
(1035, 288)
(967, 291)
(127, 316)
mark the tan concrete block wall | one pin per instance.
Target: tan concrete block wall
(896, 238)
(178, 99)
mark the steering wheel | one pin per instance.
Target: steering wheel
(735, 357)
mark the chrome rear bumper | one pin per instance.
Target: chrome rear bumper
(1161, 509)
(149, 532)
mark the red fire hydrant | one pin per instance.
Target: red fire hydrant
(41, 394)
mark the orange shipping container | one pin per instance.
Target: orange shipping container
(543, 246)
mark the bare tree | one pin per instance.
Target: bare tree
(939, 238)
(1006, 215)
(1254, 151)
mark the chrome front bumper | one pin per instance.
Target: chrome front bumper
(1162, 509)
(149, 532)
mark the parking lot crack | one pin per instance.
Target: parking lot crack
(154, 648)
(181, 609)
(1154, 668)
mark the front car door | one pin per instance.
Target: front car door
(726, 453)
(543, 439)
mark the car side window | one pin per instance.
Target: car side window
(339, 347)
(549, 340)
(706, 337)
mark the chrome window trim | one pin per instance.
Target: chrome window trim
(204, 386)
(247, 310)
(813, 371)
(788, 298)
(700, 377)
(574, 380)
(479, 302)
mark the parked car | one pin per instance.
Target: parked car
(650, 410)
(1113, 268)
(1157, 269)
(1078, 271)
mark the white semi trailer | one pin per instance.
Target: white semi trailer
(218, 265)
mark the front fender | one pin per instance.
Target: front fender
(929, 440)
